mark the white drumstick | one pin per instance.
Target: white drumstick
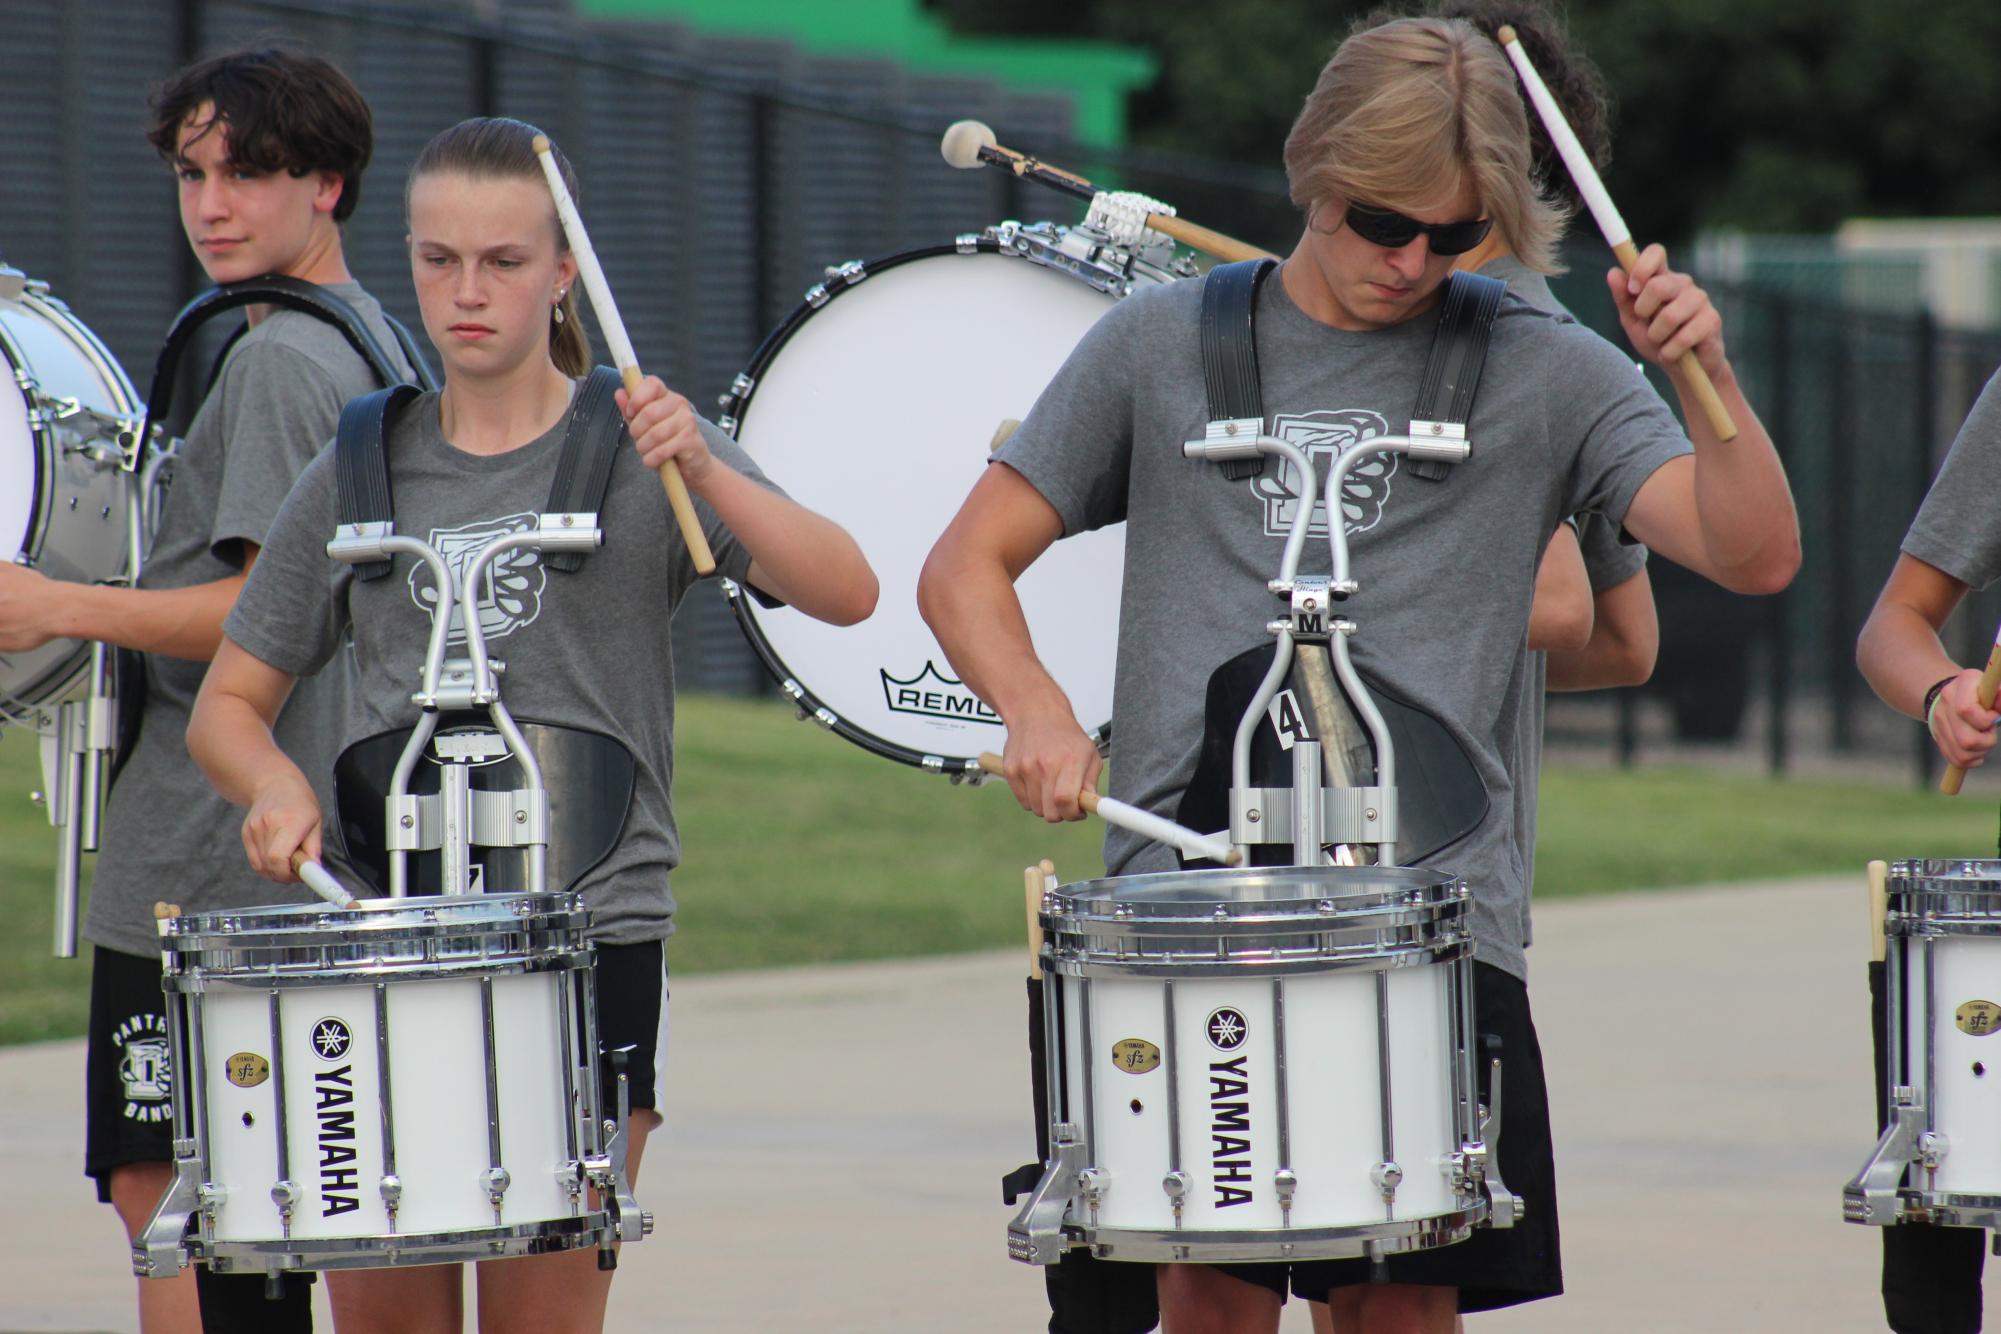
(1617, 234)
(315, 877)
(606, 309)
(1144, 823)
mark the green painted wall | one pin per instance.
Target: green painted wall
(1096, 75)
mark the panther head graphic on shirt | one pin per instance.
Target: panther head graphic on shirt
(1321, 436)
(510, 597)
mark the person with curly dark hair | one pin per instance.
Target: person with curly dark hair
(266, 148)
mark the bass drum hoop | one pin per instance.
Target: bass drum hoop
(736, 405)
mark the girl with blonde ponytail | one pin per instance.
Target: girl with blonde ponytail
(587, 650)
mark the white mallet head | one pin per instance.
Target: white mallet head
(964, 140)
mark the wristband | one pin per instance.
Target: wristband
(1932, 697)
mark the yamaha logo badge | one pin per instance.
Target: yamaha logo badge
(331, 1039)
(1227, 1029)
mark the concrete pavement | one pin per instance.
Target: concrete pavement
(835, 1135)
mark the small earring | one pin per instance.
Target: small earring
(558, 314)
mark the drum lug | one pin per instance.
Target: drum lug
(392, 1196)
(1504, 1207)
(496, 1180)
(1036, 1235)
(1387, 1176)
(1285, 1182)
(1176, 1185)
(1871, 1197)
(1933, 1146)
(285, 1194)
(160, 1250)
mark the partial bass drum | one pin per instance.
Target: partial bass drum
(69, 424)
(877, 402)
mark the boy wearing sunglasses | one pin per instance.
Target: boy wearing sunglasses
(1413, 144)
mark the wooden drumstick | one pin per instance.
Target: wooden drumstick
(968, 143)
(606, 310)
(1032, 889)
(1879, 908)
(166, 912)
(1990, 680)
(1617, 234)
(1144, 823)
(314, 876)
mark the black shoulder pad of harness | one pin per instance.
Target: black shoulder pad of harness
(1458, 352)
(1229, 349)
(293, 294)
(590, 447)
(361, 466)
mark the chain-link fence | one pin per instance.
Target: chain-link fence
(722, 176)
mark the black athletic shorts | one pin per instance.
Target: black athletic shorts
(128, 1076)
(128, 1079)
(1494, 1267)
(631, 986)
(1931, 1275)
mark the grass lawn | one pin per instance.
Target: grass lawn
(802, 848)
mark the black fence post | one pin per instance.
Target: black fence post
(1840, 646)
(1924, 427)
(1626, 739)
(1778, 659)
(485, 74)
(763, 204)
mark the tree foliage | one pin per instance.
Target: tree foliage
(1771, 115)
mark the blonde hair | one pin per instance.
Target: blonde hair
(488, 147)
(1407, 113)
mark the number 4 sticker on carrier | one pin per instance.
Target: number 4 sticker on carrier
(1287, 720)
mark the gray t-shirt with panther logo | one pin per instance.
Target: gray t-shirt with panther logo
(1563, 424)
(589, 649)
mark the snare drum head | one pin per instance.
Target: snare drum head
(879, 410)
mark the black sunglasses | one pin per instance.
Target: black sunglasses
(1393, 231)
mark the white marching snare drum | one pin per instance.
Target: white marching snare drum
(878, 402)
(1260, 1064)
(68, 436)
(413, 1082)
(1939, 1158)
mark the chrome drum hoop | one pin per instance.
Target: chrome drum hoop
(1277, 920)
(401, 1250)
(384, 940)
(1938, 896)
(1221, 1247)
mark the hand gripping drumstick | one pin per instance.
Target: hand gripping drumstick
(1617, 234)
(606, 310)
(1144, 823)
(968, 143)
(1990, 682)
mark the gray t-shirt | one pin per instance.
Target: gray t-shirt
(1955, 529)
(1447, 570)
(588, 649)
(167, 834)
(1608, 561)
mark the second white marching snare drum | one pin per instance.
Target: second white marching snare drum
(1939, 1159)
(879, 401)
(413, 1082)
(1264, 1064)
